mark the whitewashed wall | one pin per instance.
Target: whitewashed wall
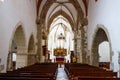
(13, 12)
(107, 13)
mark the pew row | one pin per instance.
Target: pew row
(41, 71)
(77, 71)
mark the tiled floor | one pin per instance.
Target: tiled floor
(61, 74)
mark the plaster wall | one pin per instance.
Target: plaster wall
(14, 13)
(105, 12)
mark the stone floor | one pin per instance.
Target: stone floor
(61, 74)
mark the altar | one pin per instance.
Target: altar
(60, 54)
(60, 59)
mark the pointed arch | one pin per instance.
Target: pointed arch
(64, 15)
(101, 35)
(31, 51)
(17, 46)
(31, 45)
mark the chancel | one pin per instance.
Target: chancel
(59, 40)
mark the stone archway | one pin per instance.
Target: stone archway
(18, 46)
(104, 55)
(101, 35)
(31, 51)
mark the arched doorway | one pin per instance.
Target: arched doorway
(17, 50)
(100, 36)
(31, 51)
(104, 55)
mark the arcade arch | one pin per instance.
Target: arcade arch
(18, 49)
(31, 51)
(101, 36)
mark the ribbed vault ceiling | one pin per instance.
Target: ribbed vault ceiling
(73, 10)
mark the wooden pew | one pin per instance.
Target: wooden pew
(23, 78)
(76, 71)
(98, 78)
(42, 71)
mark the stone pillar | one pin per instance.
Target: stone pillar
(46, 55)
(79, 56)
(1, 66)
(95, 55)
(39, 40)
(31, 59)
(84, 22)
(83, 44)
(115, 61)
(118, 65)
(76, 45)
(21, 60)
(9, 62)
(88, 57)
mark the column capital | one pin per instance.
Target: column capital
(84, 22)
(38, 20)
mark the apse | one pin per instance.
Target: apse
(60, 39)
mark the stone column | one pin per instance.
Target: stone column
(83, 44)
(79, 58)
(75, 42)
(31, 59)
(95, 55)
(1, 67)
(88, 57)
(115, 61)
(76, 45)
(46, 55)
(9, 62)
(118, 64)
(84, 22)
(39, 41)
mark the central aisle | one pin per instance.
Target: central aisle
(61, 74)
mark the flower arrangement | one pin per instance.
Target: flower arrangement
(74, 60)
